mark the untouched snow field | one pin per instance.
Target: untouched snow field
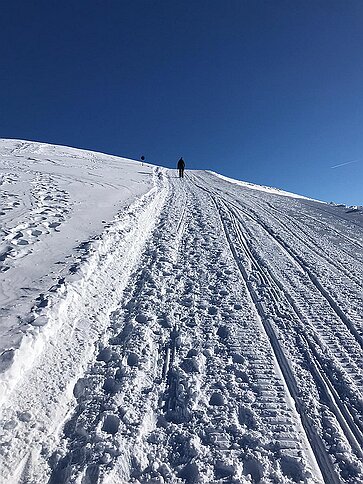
(157, 330)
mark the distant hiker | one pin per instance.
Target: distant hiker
(181, 166)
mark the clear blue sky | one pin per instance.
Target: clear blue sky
(265, 91)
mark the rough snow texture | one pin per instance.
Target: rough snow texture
(55, 202)
(212, 332)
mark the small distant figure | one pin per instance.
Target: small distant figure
(142, 160)
(181, 167)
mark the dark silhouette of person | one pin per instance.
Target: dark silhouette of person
(181, 167)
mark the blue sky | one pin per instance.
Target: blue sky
(269, 92)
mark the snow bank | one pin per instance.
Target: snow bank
(54, 202)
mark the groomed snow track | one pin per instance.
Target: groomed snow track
(232, 353)
(331, 352)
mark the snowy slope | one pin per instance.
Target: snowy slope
(54, 201)
(261, 188)
(210, 331)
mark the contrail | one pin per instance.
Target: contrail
(346, 163)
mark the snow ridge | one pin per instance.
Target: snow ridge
(64, 342)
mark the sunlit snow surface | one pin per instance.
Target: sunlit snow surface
(54, 200)
(167, 331)
(261, 188)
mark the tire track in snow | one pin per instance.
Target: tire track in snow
(321, 252)
(308, 233)
(347, 412)
(326, 228)
(355, 372)
(348, 421)
(346, 289)
(316, 443)
(345, 340)
(350, 275)
(265, 217)
(185, 386)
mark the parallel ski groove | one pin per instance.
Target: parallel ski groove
(323, 458)
(345, 414)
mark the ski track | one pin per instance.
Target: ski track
(226, 346)
(328, 342)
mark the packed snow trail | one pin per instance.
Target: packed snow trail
(187, 387)
(303, 302)
(229, 349)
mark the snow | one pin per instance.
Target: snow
(54, 201)
(261, 188)
(169, 331)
